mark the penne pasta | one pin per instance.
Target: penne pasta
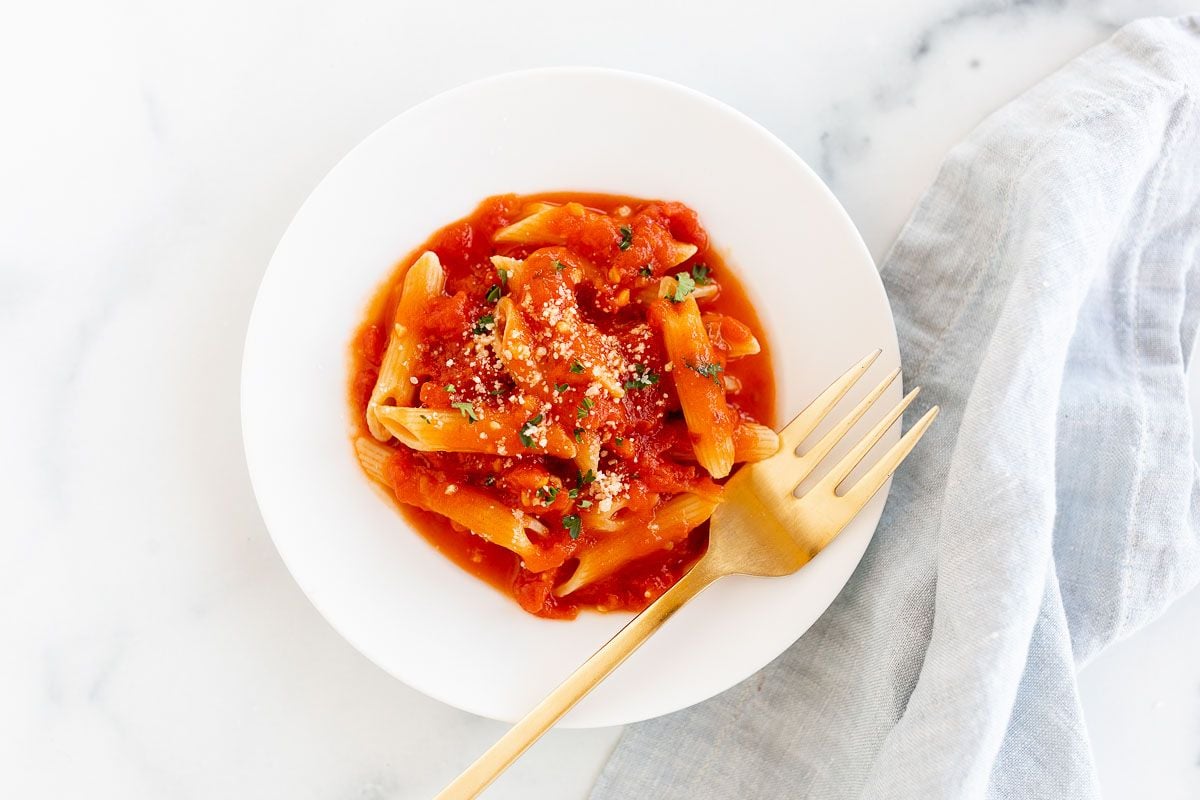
(514, 345)
(587, 453)
(372, 456)
(464, 505)
(508, 269)
(708, 292)
(454, 431)
(754, 442)
(424, 280)
(481, 514)
(751, 442)
(697, 381)
(536, 208)
(672, 521)
(735, 338)
(548, 224)
(544, 226)
(680, 252)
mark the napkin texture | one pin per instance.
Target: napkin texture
(1045, 293)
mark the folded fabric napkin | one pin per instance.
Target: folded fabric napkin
(1046, 296)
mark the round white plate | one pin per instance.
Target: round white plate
(393, 597)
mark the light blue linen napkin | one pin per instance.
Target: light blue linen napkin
(1046, 296)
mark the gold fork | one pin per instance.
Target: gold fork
(761, 528)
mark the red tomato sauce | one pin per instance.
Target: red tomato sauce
(464, 248)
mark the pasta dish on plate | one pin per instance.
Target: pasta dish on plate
(554, 388)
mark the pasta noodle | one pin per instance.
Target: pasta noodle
(670, 523)
(439, 430)
(697, 379)
(541, 391)
(423, 282)
(751, 442)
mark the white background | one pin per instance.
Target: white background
(151, 154)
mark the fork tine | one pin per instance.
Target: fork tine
(810, 460)
(839, 471)
(866, 487)
(807, 420)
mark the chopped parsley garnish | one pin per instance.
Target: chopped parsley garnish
(585, 503)
(709, 371)
(503, 273)
(642, 377)
(579, 434)
(562, 387)
(626, 237)
(528, 430)
(493, 294)
(618, 440)
(646, 272)
(584, 408)
(558, 265)
(450, 388)
(548, 493)
(586, 477)
(573, 493)
(700, 275)
(489, 480)
(427, 422)
(684, 286)
(576, 367)
(485, 324)
(573, 525)
(468, 411)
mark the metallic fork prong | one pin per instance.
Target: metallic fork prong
(807, 420)
(839, 471)
(866, 487)
(809, 461)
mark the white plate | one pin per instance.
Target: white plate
(403, 605)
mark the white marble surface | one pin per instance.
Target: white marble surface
(151, 642)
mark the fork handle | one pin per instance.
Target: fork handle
(521, 736)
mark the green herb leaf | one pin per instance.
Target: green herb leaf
(646, 272)
(642, 377)
(562, 387)
(503, 273)
(700, 275)
(450, 388)
(573, 525)
(493, 294)
(427, 422)
(586, 477)
(626, 237)
(558, 265)
(584, 408)
(684, 286)
(468, 411)
(579, 434)
(548, 493)
(585, 503)
(528, 430)
(576, 367)
(485, 324)
(709, 371)
(618, 440)
(573, 493)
